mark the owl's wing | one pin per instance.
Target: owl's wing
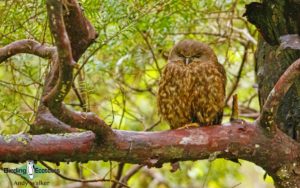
(172, 98)
(208, 93)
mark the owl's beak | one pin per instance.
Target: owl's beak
(187, 60)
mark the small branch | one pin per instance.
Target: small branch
(119, 174)
(145, 37)
(84, 120)
(79, 97)
(67, 121)
(82, 180)
(235, 108)
(26, 46)
(239, 74)
(266, 119)
(130, 173)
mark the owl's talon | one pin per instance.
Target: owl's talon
(240, 122)
(190, 125)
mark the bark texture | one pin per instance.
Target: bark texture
(278, 22)
(237, 140)
(274, 19)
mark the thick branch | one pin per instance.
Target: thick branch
(244, 141)
(85, 120)
(48, 147)
(45, 122)
(65, 60)
(286, 80)
(80, 31)
(26, 46)
(73, 34)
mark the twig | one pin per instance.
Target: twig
(21, 24)
(80, 98)
(10, 182)
(236, 185)
(235, 108)
(81, 180)
(130, 173)
(19, 92)
(119, 174)
(123, 107)
(145, 37)
(239, 74)
(153, 126)
(209, 169)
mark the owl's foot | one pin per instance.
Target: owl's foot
(190, 125)
(240, 122)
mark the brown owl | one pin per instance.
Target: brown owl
(192, 86)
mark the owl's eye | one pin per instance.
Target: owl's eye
(197, 56)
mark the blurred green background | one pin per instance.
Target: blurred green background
(120, 79)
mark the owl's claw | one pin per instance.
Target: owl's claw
(190, 125)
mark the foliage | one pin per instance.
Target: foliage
(121, 74)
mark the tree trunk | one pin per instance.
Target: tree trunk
(274, 19)
(278, 22)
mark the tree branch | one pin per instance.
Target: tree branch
(60, 78)
(266, 119)
(26, 46)
(45, 122)
(85, 120)
(244, 141)
(130, 173)
(80, 31)
(84, 180)
(65, 61)
(239, 73)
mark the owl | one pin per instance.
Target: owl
(192, 86)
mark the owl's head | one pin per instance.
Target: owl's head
(190, 51)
